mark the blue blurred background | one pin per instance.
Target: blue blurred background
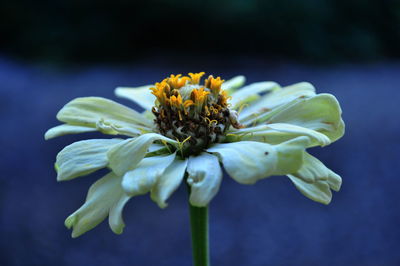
(54, 51)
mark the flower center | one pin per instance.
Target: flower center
(195, 114)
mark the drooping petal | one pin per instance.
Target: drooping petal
(168, 182)
(249, 161)
(88, 111)
(233, 84)
(102, 195)
(204, 178)
(83, 157)
(142, 179)
(277, 133)
(65, 129)
(127, 154)
(140, 95)
(115, 219)
(318, 191)
(277, 98)
(251, 93)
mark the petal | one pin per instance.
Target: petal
(88, 111)
(234, 83)
(205, 176)
(313, 170)
(251, 92)
(318, 191)
(140, 95)
(279, 97)
(168, 182)
(66, 129)
(142, 179)
(127, 154)
(249, 161)
(277, 133)
(83, 157)
(115, 219)
(102, 195)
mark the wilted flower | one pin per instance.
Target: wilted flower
(187, 131)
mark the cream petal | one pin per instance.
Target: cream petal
(83, 157)
(115, 219)
(65, 129)
(102, 195)
(88, 111)
(249, 161)
(277, 98)
(233, 84)
(251, 93)
(139, 95)
(318, 191)
(142, 179)
(168, 182)
(277, 133)
(204, 178)
(127, 154)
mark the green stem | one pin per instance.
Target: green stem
(199, 228)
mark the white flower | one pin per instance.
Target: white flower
(188, 131)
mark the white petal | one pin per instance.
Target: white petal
(142, 179)
(251, 93)
(205, 176)
(88, 111)
(318, 191)
(277, 98)
(234, 83)
(66, 129)
(127, 154)
(115, 219)
(249, 161)
(277, 133)
(140, 95)
(168, 182)
(101, 197)
(83, 157)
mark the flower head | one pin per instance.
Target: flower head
(187, 131)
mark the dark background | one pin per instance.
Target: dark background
(54, 51)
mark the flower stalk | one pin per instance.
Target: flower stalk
(199, 231)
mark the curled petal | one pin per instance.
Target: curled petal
(127, 154)
(168, 182)
(101, 197)
(204, 178)
(142, 179)
(249, 161)
(251, 92)
(65, 129)
(83, 157)
(233, 84)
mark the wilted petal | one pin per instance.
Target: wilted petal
(140, 95)
(101, 197)
(318, 191)
(115, 219)
(249, 161)
(66, 129)
(127, 154)
(168, 182)
(277, 133)
(83, 157)
(142, 179)
(88, 111)
(233, 84)
(251, 93)
(205, 176)
(277, 98)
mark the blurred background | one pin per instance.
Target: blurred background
(54, 51)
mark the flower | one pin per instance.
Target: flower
(187, 131)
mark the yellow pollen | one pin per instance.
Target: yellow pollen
(214, 84)
(199, 96)
(195, 77)
(176, 101)
(177, 81)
